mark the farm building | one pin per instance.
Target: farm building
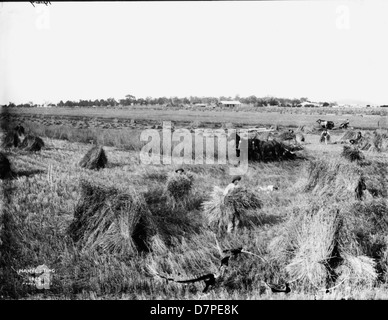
(309, 104)
(230, 103)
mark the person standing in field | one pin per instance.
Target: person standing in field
(325, 136)
(234, 218)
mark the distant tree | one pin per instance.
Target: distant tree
(69, 103)
(295, 102)
(141, 101)
(111, 102)
(103, 103)
(326, 104)
(162, 100)
(60, 104)
(250, 100)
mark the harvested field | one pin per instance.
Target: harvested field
(102, 229)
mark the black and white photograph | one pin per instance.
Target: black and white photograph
(206, 152)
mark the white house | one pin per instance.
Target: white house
(230, 103)
(309, 104)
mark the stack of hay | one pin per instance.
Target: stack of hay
(332, 237)
(286, 135)
(110, 220)
(349, 135)
(333, 178)
(5, 167)
(179, 185)
(11, 140)
(321, 248)
(219, 209)
(376, 141)
(271, 150)
(307, 129)
(94, 159)
(14, 138)
(31, 143)
(352, 154)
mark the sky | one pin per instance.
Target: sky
(323, 50)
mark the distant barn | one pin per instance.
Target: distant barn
(230, 103)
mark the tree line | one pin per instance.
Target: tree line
(175, 101)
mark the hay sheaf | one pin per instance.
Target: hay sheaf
(321, 247)
(110, 220)
(178, 185)
(352, 154)
(286, 135)
(5, 167)
(94, 159)
(307, 129)
(314, 245)
(350, 135)
(219, 209)
(14, 137)
(376, 141)
(11, 140)
(31, 143)
(333, 178)
(268, 151)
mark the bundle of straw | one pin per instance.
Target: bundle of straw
(110, 220)
(315, 243)
(179, 184)
(323, 243)
(333, 178)
(352, 154)
(94, 159)
(31, 143)
(287, 135)
(219, 209)
(11, 140)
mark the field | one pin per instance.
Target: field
(42, 199)
(114, 117)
